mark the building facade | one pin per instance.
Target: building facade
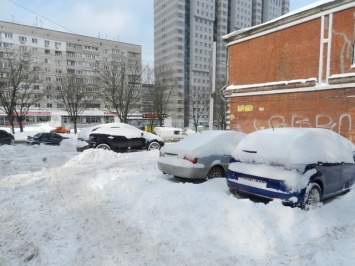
(298, 71)
(59, 53)
(184, 32)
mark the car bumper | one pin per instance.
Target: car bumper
(82, 145)
(287, 198)
(182, 168)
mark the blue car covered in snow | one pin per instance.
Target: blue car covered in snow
(300, 166)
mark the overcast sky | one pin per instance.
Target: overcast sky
(129, 21)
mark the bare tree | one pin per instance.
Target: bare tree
(160, 94)
(120, 87)
(19, 85)
(199, 103)
(220, 105)
(70, 93)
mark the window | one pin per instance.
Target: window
(6, 45)
(8, 35)
(57, 45)
(46, 43)
(47, 51)
(37, 105)
(58, 53)
(92, 48)
(47, 61)
(22, 39)
(49, 105)
(34, 50)
(34, 40)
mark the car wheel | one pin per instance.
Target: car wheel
(313, 197)
(103, 146)
(154, 146)
(216, 171)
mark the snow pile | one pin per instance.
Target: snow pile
(105, 208)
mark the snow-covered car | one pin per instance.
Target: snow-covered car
(6, 138)
(203, 155)
(300, 166)
(45, 138)
(119, 137)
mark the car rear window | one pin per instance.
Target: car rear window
(294, 146)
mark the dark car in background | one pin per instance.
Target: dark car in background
(299, 166)
(118, 137)
(45, 138)
(6, 138)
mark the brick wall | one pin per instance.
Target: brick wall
(288, 54)
(331, 109)
(291, 54)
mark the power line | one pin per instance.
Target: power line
(69, 30)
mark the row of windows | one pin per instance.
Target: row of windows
(23, 39)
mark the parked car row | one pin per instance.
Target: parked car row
(300, 166)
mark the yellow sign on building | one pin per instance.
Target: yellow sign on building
(245, 108)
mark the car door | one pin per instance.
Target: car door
(332, 177)
(117, 142)
(348, 175)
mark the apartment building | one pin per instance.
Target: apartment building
(59, 53)
(184, 32)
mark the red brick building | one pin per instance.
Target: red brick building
(295, 71)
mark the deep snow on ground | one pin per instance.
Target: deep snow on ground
(61, 207)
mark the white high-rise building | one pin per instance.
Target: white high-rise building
(184, 32)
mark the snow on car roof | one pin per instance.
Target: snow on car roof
(292, 146)
(206, 143)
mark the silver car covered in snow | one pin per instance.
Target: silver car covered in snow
(202, 155)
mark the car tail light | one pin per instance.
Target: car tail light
(193, 160)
